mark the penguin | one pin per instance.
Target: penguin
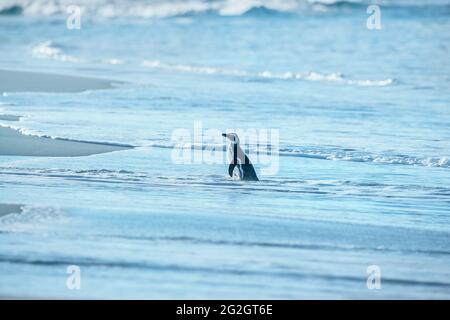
(240, 165)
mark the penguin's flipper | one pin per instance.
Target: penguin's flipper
(249, 172)
(231, 169)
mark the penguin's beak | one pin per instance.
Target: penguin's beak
(224, 135)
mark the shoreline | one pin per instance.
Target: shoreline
(30, 81)
(14, 143)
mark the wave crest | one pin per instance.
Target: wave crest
(31, 219)
(165, 9)
(49, 50)
(325, 153)
(289, 75)
(359, 156)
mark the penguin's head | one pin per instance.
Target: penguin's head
(232, 136)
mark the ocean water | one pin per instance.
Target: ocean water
(363, 154)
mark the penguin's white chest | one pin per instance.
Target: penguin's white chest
(238, 174)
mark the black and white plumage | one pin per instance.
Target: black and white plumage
(240, 166)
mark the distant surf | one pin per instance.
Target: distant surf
(50, 50)
(269, 75)
(324, 153)
(164, 9)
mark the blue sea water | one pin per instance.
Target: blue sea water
(364, 150)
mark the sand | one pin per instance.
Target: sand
(14, 143)
(24, 81)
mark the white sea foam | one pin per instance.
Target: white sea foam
(359, 156)
(110, 8)
(164, 9)
(28, 131)
(48, 50)
(39, 134)
(192, 69)
(369, 83)
(309, 76)
(113, 61)
(321, 153)
(31, 219)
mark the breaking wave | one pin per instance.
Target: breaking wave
(49, 50)
(33, 133)
(30, 219)
(142, 179)
(289, 75)
(164, 9)
(361, 156)
(323, 153)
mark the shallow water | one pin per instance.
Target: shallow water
(364, 154)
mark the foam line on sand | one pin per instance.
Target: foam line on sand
(14, 143)
(25, 81)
